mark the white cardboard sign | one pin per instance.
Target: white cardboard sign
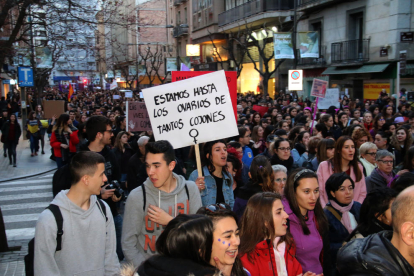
(331, 98)
(295, 80)
(191, 111)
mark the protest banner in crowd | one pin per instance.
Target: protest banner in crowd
(231, 78)
(192, 111)
(53, 108)
(331, 99)
(137, 117)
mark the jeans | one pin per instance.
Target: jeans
(11, 148)
(34, 143)
(59, 162)
(118, 229)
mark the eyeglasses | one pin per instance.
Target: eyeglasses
(386, 162)
(277, 180)
(216, 207)
(110, 131)
(372, 153)
(284, 149)
(381, 119)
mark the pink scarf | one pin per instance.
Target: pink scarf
(346, 220)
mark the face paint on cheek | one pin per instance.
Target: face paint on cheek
(229, 245)
(219, 240)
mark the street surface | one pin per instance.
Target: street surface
(21, 202)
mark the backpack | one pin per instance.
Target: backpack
(29, 258)
(145, 196)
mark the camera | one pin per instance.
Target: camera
(118, 190)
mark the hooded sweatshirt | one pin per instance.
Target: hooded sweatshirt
(139, 233)
(88, 241)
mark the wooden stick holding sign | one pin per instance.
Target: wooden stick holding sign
(192, 111)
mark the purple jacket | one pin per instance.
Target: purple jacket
(308, 248)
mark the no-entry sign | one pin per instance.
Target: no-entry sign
(295, 80)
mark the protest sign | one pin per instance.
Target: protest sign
(231, 82)
(128, 94)
(116, 97)
(192, 111)
(137, 117)
(331, 99)
(53, 108)
(319, 88)
(260, 109)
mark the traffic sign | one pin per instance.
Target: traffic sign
(295, 80)
(25, 76)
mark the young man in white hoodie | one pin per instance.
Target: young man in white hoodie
(88, 243)
(158, 200)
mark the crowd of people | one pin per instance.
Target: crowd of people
(299, 191)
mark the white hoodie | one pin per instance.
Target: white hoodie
(88, 241)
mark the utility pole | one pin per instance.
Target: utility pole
(295, 23)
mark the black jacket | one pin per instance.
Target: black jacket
(275, 160)
(5, 132)
(375, 180)
(166, 266)
(373, 255)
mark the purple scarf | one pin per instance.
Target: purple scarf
(388, 177)
(345, 220)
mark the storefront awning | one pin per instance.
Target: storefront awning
(370, 68)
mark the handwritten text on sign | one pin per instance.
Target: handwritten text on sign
(137, 117)
(331, 99)
(191, 111)
(319, 88)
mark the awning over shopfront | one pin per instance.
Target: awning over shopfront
(370, 68)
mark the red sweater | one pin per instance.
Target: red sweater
(263, 260)
(73, 141)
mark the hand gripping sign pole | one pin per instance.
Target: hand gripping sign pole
(192, 111)
(318, 91)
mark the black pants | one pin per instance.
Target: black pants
(11, 149)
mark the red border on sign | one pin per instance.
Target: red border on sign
(293, 77)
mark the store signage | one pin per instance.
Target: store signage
(407, 37)
(383, 52)
(192, 50)
(403, 62)
(295, 80)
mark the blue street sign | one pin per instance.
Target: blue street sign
(25, 77)
(6, 81)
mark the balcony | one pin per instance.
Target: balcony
(312, 5)
(252, 8)
(350, 52)
(180, 30)
(177, 2)
(314, 62)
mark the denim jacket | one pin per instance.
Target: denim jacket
(209, 194)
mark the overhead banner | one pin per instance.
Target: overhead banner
(295, 80)
(192, 111)
(373, 90)
(283, 46)
(137, 117)
(171, 64)
(231, 77)
(319, 88)
(331, 99)
(43, 57)
(308, 44)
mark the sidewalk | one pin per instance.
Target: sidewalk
(26, 165)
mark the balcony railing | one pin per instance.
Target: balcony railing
(180, 30)
(253, 7)
(321, 61)
(316, 4)
(351, 51)
(177, 2)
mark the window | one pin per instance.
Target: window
(185, 15)
(178, 18)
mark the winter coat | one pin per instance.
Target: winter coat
(375, 180)
(337, 231)
(275, 160)
(57, 139)
(373, 255)
(243, 195)
(168, 266)
(263, 262)
(5, 132)
(325, 170)
(312, 251)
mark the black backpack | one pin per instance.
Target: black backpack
(29, 258)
